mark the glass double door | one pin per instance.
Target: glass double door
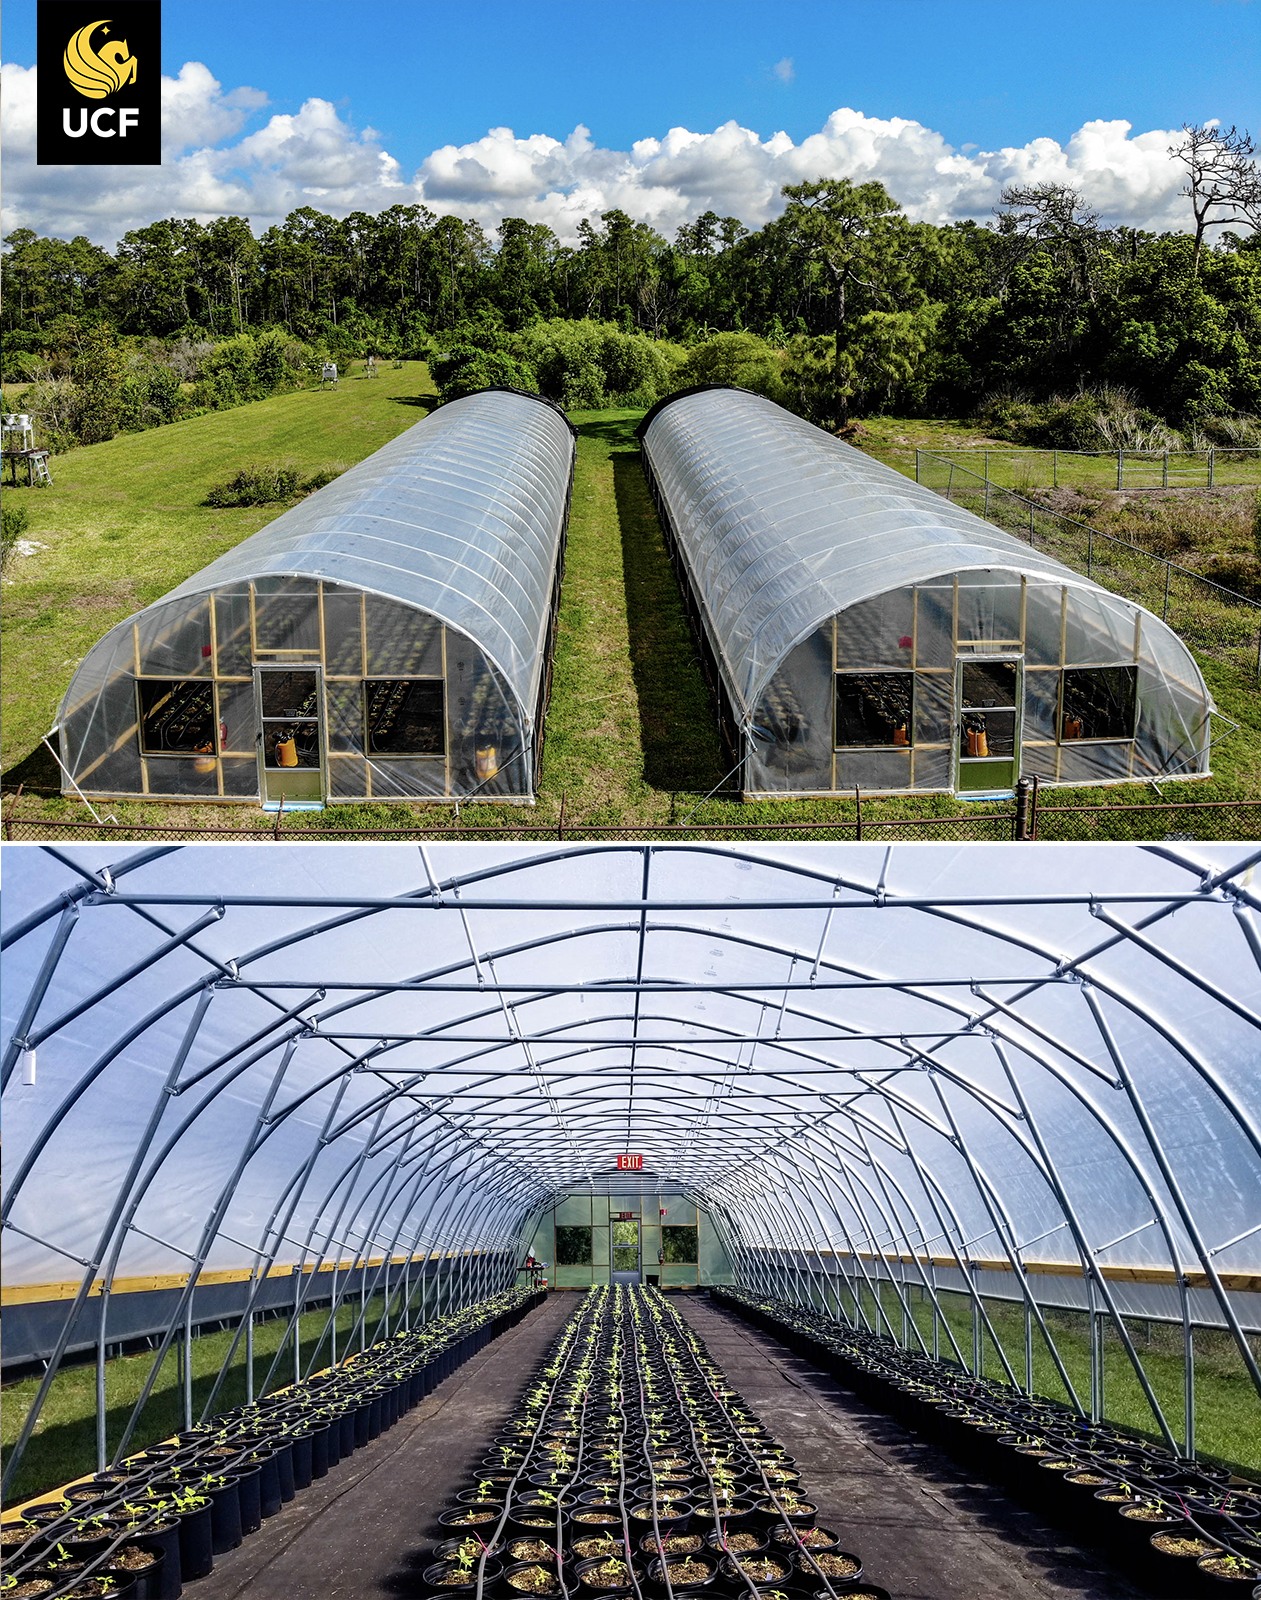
(625, 1265)
(987, 723)
(288, 703)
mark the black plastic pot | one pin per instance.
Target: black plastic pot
(438, 1570)
(809, 1578)
(149, 1581)
(225, 1514)
(782, 1575)
(509, 1578)
(589, 1578)
(681, 1583)
(197, 1555)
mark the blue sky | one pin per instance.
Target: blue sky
(985, 72)
(980, 74)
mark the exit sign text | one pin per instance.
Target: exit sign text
(630, 1163)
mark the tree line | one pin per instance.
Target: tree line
(840, 307)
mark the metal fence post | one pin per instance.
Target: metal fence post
(1210, 466)
(1120, 469)
(1055, 469)
(1164, 482)
(917, 463)
(1021, 827)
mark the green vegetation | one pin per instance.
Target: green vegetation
(631, 738)
(1226, 1406)
(63, 1445)
(1054, 329)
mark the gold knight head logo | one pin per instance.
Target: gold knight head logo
(98, 73)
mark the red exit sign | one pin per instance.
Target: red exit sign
(630, 1163)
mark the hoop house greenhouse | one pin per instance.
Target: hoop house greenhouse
(974, 1130)
(862, 632)
(389, 636)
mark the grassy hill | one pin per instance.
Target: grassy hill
(630, 738)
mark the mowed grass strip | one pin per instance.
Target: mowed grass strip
(63, 1444)
(631, 736)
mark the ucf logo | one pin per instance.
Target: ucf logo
(97, 74)
(93, 62)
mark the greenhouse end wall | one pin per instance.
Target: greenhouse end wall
(597, 1215)
(904, 692)
(379, 700)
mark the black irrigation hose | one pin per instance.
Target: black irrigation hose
(567, 1339)
(632, 1352)
(740, 1439)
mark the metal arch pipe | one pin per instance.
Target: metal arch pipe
(209, 1231)
(1089, 1266)
(50, 908)
(99, 1255)
(34, 999)
(1175, 1190)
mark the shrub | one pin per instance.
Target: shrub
(1091, 419)
(464, 369)
(1242, 573)
(742, 359)
(260, 486)
(13, 521)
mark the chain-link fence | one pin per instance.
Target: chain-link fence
(1019, 818)
(1221, 467)
(1210, 618)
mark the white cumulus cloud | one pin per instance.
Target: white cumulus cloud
(315, 156)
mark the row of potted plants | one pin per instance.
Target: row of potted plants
(1177, 1525)
(630, 1469)
(157, 1520)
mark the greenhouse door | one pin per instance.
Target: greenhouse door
(290, 733)
(987, 721)
(624, 1251)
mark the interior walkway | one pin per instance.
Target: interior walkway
(924, 1530)
(365, 1531)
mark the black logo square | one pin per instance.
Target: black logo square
(99, 89)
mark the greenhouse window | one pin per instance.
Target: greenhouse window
(873, 708)
(177, 717)
(573, 1246)
(405, 717)
(1099, 703)
(678, 1245)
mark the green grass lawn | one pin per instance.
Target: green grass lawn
(631, 738)
(1227, 1408)
(63, 1445)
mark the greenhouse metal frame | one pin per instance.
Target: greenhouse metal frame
(359, 1076)
(862, 633)
(389, 637)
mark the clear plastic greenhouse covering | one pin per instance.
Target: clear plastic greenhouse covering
(389, 636)
(866, 632)
(1039, 1065)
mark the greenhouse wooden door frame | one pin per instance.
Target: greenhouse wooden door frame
(290, 783)
(983, 774)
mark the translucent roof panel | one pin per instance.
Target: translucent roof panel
(1074, 1031)
(462, 516)
(782, 526)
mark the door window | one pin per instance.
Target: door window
(291, 723)
(987, 701)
